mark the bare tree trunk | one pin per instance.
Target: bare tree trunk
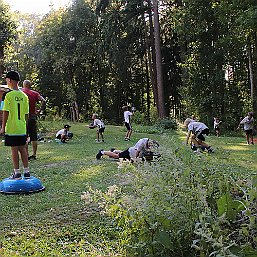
(253, 86)
(250, 65)
(151, 54)
(160, 103)
(148, 100)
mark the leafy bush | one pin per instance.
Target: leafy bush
(146, 129)
(167, 124)
(140, 118)
(159, 127)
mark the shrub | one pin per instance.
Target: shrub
(167, 123)
(139, 118)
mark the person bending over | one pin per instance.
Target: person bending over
(198, 130)
(99, 124)
(248, 127)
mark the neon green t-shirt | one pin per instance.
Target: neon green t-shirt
(17, 104)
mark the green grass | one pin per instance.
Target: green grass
(56, 222)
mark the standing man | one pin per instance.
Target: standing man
(127, 122)
(34, 97)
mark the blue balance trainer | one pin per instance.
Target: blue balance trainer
(21, 186)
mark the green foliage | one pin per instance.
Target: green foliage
(215, 34)
(8, 26)
(139, 118)
(146, 129)
(159, 127)
(100, 60)
(167, 124)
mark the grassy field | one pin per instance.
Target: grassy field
(56, 222)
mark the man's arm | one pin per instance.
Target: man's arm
(26, 118)
(43, 104)
(137, 153)
(188, 136)
(241, 123)
(5, 118)
(1, 94)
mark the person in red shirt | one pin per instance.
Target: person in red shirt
(34, 97)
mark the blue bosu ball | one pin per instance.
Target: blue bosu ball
(21, 186)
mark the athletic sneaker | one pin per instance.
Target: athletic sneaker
(99, 154)
(32, 157)
(198, 151)
(210, 150)
(26, 174)
(16, 176)
(193, 147)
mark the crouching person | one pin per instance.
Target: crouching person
(64, 135)
(198, 130)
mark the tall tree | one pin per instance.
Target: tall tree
(157, 41)
(7, 31)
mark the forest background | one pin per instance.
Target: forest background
(165, 58)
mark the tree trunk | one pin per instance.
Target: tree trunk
(148, 100)
(250, 65)
(160, 103)
(151, 54)
(252, 77)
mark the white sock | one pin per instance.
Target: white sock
(17, 171)
(26, 170)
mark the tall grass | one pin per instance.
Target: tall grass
(185, 204)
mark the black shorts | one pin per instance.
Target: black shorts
(248, 132)
(15, 140)
(128, 126)
(202, 133)
(101, 130)
(59, 136)
(217, 128)
(124, 154)
(32, 129)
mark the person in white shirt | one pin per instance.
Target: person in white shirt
(127, 122)
(198, 130)
(248, 127)
(216, 125)
(136, 151)
(99, 124)
(63, 134)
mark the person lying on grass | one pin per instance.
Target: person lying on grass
(137, 151)
(198, 131)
